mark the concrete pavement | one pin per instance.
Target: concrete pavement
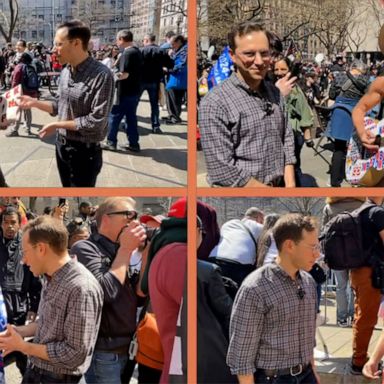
(28, 161)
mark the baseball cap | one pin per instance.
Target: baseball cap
(145, 218)
(178, 208)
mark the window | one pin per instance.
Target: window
(59, 17)
(34, 34)
(40, 17)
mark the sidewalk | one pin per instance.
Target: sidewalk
(334, 369)
(27, 161)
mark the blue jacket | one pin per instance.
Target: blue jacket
(179, 73)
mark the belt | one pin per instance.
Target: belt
(119, 350)
(56, 376)
(293, 371)
(62, 140)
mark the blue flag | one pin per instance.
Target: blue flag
(221, 70)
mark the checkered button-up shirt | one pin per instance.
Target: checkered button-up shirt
(69, 319)
(271, 326)
(86, 97)
(244, 134)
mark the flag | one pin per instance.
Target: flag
(221, 70)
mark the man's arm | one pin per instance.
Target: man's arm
(246, 379)
(289, 176)
(373, 97)
(27, 102)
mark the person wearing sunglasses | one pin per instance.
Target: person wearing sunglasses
(107, 255)
(274, 305)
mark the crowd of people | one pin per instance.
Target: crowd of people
(260, 281)
(96, 91)
(300, 99)
(74, 288)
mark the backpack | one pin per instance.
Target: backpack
(30, 80)
(342, 240)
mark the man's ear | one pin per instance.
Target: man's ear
(288, 246)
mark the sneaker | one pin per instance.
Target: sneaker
(157, 130)
(355, 370)
(12, 134)
(172, 121)
(343, 323)
(131, 148)
(108, 145)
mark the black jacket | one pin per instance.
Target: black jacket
(118, 319)
(154, 59)
(213, 314)
(21, 290)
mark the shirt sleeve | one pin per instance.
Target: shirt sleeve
(17, 76)
(289, 143)
(246, 328)
(80, 329)
(88, 255)
(218, 146)
(97, 119)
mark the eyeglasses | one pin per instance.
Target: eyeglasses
(130, 215)
(300, 292)
(315, 248)
(251, 55)
(24, 250)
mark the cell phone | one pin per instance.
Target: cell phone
(62, 201)
(296, 69)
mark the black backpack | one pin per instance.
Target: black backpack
(342, 240)
(30, 80)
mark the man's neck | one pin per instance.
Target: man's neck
(79, 59)
(254, 85)
(287, 266)
(56, 262)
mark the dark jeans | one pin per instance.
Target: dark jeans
(299, 142)
(338, 163)
(78, 163)
(235, 271)
(306, 377)
(127, 107)
(32, 376)
(174, 102)
(153, 93)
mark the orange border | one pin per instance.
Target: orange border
(192, 124)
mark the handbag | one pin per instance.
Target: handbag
(318, 274)
(146, 343)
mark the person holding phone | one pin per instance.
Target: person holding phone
(299, 113)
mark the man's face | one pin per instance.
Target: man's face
(252, 56)
(86, 210)
(119, 41)
(32, 256)
(306, 251)
(10, 226)
(19, 47)
(64, 48)
(175, 44)
(116, 218)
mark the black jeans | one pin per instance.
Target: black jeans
(338, 163)
(78, 163)
(235, 271)
(174, 102)
(306, 377)
(33, 376)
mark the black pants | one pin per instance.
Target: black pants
(299, 142)
(235, 271)
(174, 102)
(338, 163)
(306, 377)
(78, 163)
(33, 376)
(148, 375)
(3, 184)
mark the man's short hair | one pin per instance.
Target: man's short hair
(47, 229)
(23, 42)
(170, 34)
(125, 35)
(84, 204)
(77, 30)
(8, 211)
(254, 212)
(151, 37)
(243, 29)
(291, 226)
(179, 38)
(108, 205)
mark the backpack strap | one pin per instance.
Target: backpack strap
(250, 233)
(358, 85)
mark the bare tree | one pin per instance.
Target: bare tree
(8, 19)
(304, 205)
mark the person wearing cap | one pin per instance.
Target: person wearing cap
(77, 229)
(107, 254)
(274, 305)
(237, 248)
(165, 279)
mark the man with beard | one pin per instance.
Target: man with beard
(21, 290)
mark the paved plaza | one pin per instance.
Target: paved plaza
(28, 161)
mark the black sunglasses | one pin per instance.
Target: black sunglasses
(131, 215)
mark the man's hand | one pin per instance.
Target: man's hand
(48, 130)
(132, 236)
(25, 102)
(11, 341)
(285, 84)
(253, 183)
(370, 370)
(367, 139)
